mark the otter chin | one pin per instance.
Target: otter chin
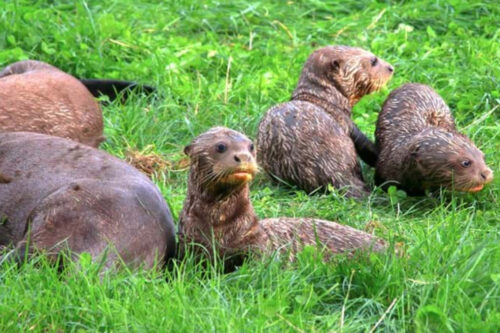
(218, 217)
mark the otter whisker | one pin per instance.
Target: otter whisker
(210, 178)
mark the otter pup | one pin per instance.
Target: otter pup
(219, 216)
(420, 148)
(58, 193)
(311, 141)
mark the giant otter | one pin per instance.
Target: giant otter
(311, 141)
(38, 97)
(218, 216)
(57, 193)
(420, 148)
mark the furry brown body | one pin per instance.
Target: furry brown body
(420, 148)
(38, 97)
(312, 141)
(58, 193)
(219, 216)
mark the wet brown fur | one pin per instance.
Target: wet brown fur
(420, 147)
(219, 217)
(312, 141)
(66, 194)
(38, 97)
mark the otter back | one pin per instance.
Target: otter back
(37, 97)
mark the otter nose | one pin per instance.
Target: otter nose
(487, 175)
(390, 69)
(242, 157)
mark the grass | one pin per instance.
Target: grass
(225, 63)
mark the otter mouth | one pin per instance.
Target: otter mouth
(470, 188)
(241, 175)
(475, 189)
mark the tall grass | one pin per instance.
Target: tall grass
(225, 63)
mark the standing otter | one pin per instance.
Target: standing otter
(56, 193)
(311, 141)
(219, 216)
(420, 148)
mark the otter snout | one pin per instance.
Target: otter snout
(487, 175)
(244, 161)
(243, 157)
(385, 65)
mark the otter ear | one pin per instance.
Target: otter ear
(335, 65)
(414, 152)
(187, 150)
(416, 156)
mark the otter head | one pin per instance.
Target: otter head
(354, 72)
(222, 160)
(450, 160)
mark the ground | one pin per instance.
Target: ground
(225, 63)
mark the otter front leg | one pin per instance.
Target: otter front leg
(364, 147)
(5, 235)
(330, 158)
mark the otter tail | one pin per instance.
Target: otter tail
(113, 88)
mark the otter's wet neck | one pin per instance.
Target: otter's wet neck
(221, 206)
(323, 95)
(411, 175)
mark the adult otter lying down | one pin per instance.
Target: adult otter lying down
(38, 97)
(56, 193)
(218, 214)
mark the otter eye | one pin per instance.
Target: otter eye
(251, 147)
(221, 147)
(466, 163)
(374, 61)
